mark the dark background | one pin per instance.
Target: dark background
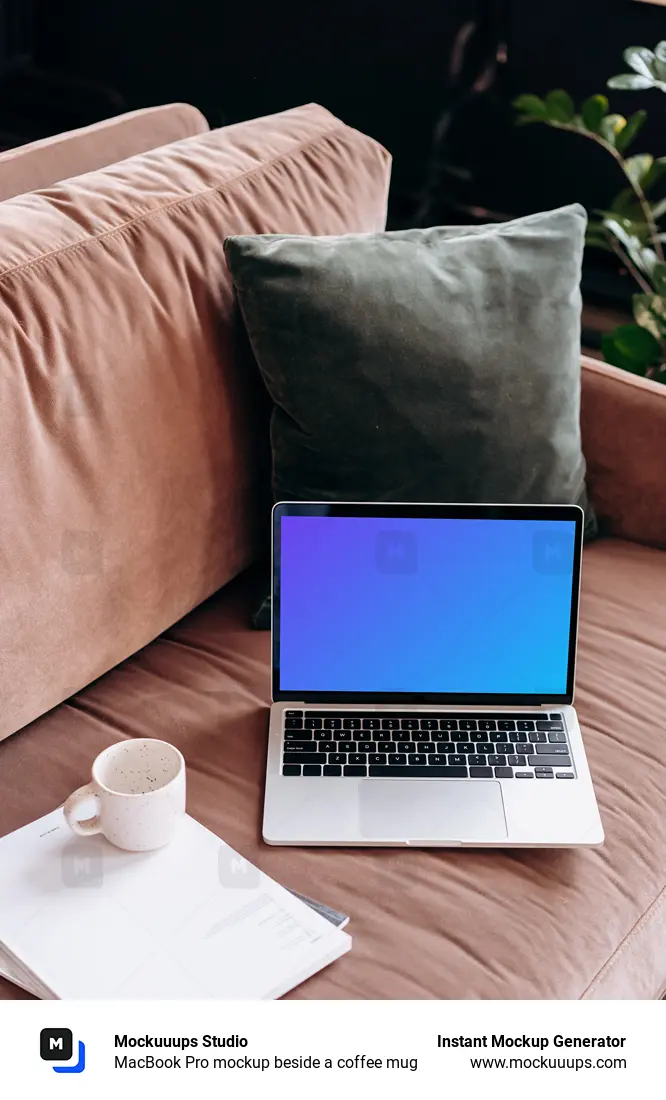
(384, 66)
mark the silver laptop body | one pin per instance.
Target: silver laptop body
(423, 676)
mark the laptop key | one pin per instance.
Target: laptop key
(390, 723)
(327, 746)
(476, 761)
(551, 761)
(432, 772)
(503, 773)
(313, 723)
(323, 735)
(467, 724)
(351, 723)
(377, 758)
(549, 726)
(291, 769)
(553, 750)
(293, 713)
(443, 735)
(448, 724)
(312, 769)
(293, 724)
(357, 758)
(454, 758)
(337, 758)
(346, 746)
(429, 723)
(409, 724)
(497, 761)
(366, 746)
(525, 724)
(397, 758)
(332, 723)
(383, 735)
(480, 773)
(564, 775)
(408, 746)
(421, 735)
(544, 775)
(332, 769)
(401, 735)
(557, 738)
(485, 747)
(523, 775)
(371, 723)
(301, 757)
(498, 737)
(506, 724)
(355, 769)
(519, 735)
(300, 747)
(419, 760)
(487, 724)
(516, 761)
(428, 747)
(538, 736)
(298, 735)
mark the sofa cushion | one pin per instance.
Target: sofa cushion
(436, 364)
(130, 477)
(444, 924)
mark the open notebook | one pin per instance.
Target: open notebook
(80, 918)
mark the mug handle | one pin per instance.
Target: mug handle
(88, 826)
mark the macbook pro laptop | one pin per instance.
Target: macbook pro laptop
(423, 676)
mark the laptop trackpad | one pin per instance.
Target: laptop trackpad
(406, 809)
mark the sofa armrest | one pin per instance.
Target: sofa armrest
(43, 163)
(623, 423)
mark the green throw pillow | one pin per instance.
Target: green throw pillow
(426, 365)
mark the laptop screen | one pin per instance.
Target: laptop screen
(399, 604)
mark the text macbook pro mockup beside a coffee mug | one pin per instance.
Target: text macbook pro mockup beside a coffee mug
(138, 790)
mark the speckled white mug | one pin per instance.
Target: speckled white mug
(138, 794)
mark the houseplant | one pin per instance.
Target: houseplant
(631, 226)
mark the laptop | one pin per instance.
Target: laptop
(423, 677)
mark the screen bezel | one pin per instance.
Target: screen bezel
(550, 512)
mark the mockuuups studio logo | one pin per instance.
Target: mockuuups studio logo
(396, 552)
(56, 1044)
(552, 552)
(236, 873)
(82, 863)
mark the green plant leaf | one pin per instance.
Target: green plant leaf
(531, 105)
(593, 110)
(637, 167)
(611, 127)
(559, 106)
(631, 347)
(659, 209)
(627, 133)
(659, 283)
(625, 205)
(637, 230)
(656, 172)
(640, 59)
(650, 314)
(630, 82)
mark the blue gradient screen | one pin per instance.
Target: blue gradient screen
(472, 606)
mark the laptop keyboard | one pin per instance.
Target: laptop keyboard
(425, 746)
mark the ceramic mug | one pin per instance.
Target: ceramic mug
(138, 793)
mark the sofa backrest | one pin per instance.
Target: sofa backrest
(129, 457)
(42, 163)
